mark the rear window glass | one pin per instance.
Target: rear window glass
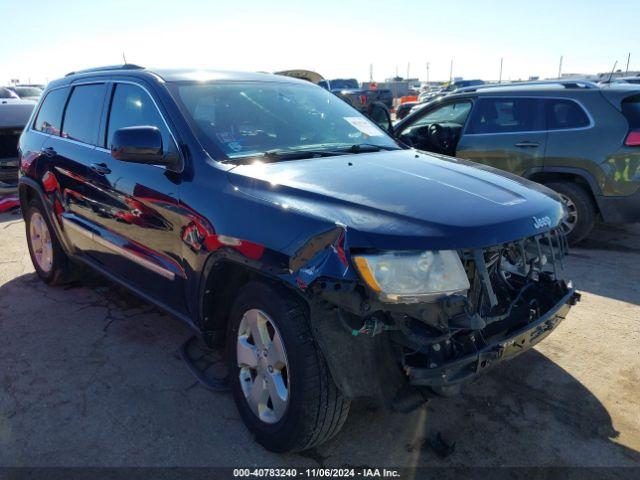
(506, 115)
(82, 115)
(563, 114)
(49, 117)
(631, 110)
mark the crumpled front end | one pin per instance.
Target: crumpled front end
(517, 296)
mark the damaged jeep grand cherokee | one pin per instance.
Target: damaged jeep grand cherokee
(332, 262)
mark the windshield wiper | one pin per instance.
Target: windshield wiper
(284, 154)
(369, 147)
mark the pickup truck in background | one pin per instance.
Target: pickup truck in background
(348, 89)
(358, 97)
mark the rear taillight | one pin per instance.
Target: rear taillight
(633, 139)
(363, 99)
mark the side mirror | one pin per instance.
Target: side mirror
(380, 115)
(138, 145)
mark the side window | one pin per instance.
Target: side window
(49, 117)
(131, 106)
(82, 115)
(563, 114)
(506, 115)
(456, 113)
(631, 111)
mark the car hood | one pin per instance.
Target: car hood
(406, 198)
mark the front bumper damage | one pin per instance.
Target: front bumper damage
(382, 350)
(456, 370)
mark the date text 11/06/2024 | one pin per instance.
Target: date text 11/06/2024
(316, 472)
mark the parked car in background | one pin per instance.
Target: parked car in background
(14, 114)
(630, 80)
(403, 109)
(27, 92)
(448, 89)
(271, 216)
(579, 139)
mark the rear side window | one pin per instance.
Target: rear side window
(49, 117)
(631, 111)
(563, 114)
(82, 115)
(131, 106)
(506, 115)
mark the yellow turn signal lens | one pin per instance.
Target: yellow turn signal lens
(367, 275)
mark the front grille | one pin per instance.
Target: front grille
(9, 142)
(500, 276)
(8, 175)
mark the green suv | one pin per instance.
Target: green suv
(579, 139)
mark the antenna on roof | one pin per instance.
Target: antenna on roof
(124, 59)
(612, 70)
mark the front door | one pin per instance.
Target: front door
(505, 133)
(436, 129)
(139, 222)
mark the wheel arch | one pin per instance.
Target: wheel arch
(221, 279)
(581, 177)
(29, 189)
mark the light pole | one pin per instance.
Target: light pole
(560, 68)
(427, 73)
(500, 77)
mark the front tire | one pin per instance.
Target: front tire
(280, 381)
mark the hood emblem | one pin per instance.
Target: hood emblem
(541, 222)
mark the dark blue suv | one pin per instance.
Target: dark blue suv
(263, 211)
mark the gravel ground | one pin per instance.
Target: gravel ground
(91, 376)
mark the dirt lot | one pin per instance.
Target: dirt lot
(91, 376)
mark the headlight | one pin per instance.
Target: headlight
(408, 277)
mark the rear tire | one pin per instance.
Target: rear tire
(315, 409)
(582, 210)
(49, 259)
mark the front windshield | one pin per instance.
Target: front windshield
(6, 93)
(28, 92)
(244, 119)
(340, 84)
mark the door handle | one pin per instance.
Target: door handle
(49, 152)
(100, 168)
(527, 144)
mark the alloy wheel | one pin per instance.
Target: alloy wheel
(570, 220)
(262, 361)
(41, 244)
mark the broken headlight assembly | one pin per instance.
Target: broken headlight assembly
(410, 277)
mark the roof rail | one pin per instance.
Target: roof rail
(560, 83)
(126, 66)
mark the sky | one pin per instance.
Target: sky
(43, 40)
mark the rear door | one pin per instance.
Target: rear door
(506, 133)
(72, 122)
